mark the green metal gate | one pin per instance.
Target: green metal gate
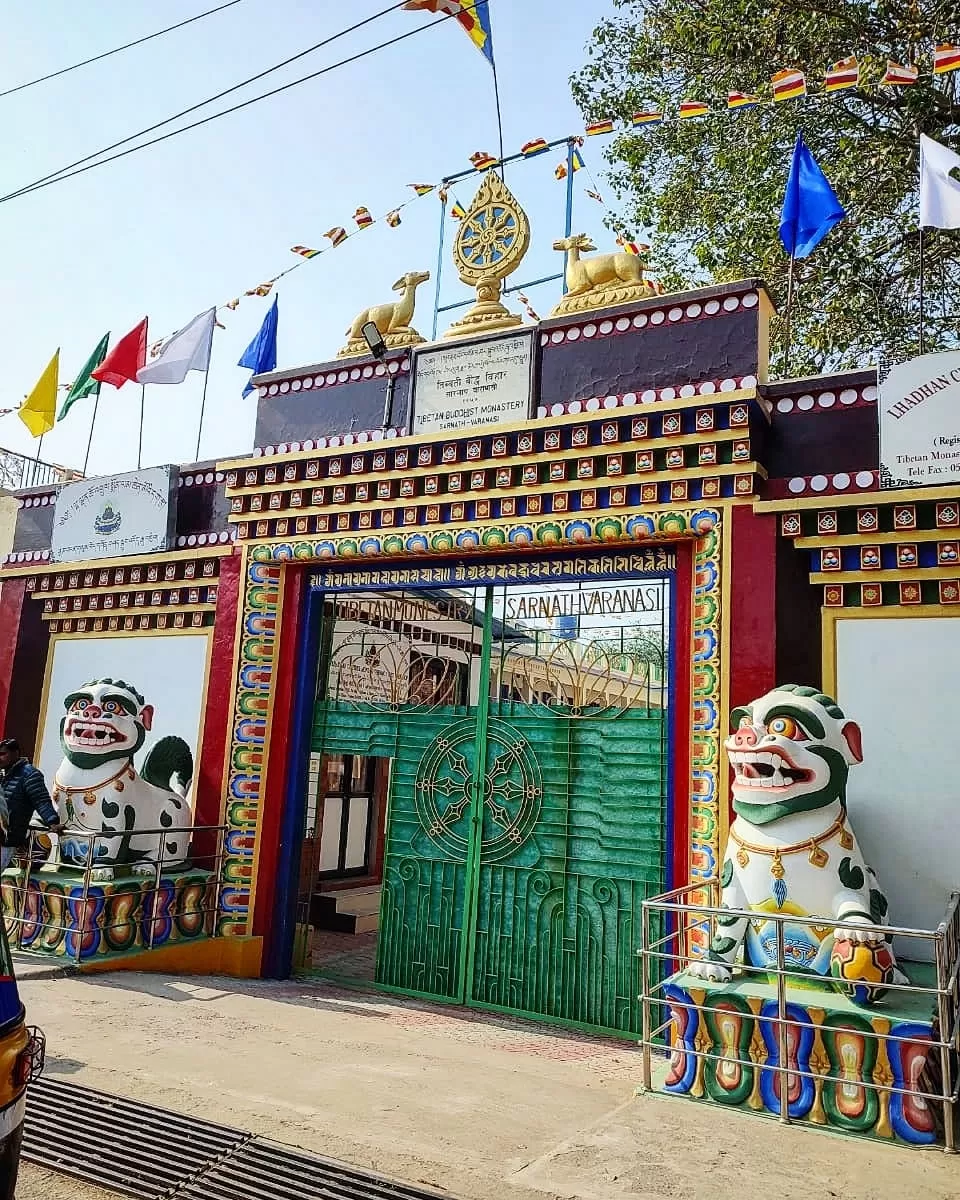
(526, 732)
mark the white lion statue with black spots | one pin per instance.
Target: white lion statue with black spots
(791, 849)
(98, 790)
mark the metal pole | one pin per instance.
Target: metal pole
(156, 890)
(782, 1028)
(93, 421)
(203, 405)
(646, 1084)
(143, 393)
(436, 290)
(946, 1025)
(496, 98)
(789, 318)
(40, 446)
(472, 872)
(218, 879)
(91, 842)
(921, 289)
(388, 400)
(23, 893)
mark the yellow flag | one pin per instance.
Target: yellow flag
(39, 411)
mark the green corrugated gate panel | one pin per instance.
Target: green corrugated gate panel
(424, 877)
(556, 927)
(570, 829)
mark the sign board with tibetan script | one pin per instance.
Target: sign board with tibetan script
(115, 516)
(920, 422)
(466, 384)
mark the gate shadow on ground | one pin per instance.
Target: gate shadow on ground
(353, 1001)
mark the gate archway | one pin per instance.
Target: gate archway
(524, 733)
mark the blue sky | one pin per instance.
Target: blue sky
(195, 221)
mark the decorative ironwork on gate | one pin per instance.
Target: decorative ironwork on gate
(526, 735)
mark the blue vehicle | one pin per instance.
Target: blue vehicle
(21, 1061)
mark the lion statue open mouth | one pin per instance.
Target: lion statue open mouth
(98, 790)
(791, 849)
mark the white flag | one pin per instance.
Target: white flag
(188, 350)
(939, 190)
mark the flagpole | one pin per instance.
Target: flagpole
(496, 98)
(93, 421)
(203, 405)
(143, 394)
(789, 317)
(921, 289)
(40, 445)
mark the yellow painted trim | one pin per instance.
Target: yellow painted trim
(59, 636)
(140, 610)
(480, 431)
(398, 504)
(832, 617)
(94, 564)
(45, 695)
(886, 497)
(633, 446)
(907, 575)
(237, 958)
(828, 650)
(119, 633)
(723, 768)
(904, 537)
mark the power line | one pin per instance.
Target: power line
(48, 181)
(20, 87)
(62, 172)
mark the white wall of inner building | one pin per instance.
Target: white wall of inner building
(898, 679)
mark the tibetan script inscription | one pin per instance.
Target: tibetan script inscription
(586, 567)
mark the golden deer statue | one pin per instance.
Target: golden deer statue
(392, 320)
(601, 281)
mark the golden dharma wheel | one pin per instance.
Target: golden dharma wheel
(494, 235)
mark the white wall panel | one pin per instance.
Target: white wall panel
(900, 680)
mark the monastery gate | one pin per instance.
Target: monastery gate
(523, 732)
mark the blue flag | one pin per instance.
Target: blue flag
(810, 206)
(261, 354)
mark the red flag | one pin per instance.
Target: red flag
(125, 359)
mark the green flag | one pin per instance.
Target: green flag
(85, 385)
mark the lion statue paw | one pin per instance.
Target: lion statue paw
(715, 972)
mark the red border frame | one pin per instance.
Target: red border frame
(682, 654)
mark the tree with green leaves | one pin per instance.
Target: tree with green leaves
(706, 192)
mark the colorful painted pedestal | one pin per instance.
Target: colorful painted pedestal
(828, 1039)
(127, 914)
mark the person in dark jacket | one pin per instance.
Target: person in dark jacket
(25, 793)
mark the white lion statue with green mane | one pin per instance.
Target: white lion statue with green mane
(98, 790)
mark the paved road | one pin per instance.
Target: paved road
(463, 1101)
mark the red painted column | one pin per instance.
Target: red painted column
(682, 657)
(751, 592)
(278, 762)
(208, 787)
(12, 598)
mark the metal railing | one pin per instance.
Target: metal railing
(17, 472)
(31, 865)
(664, 956)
